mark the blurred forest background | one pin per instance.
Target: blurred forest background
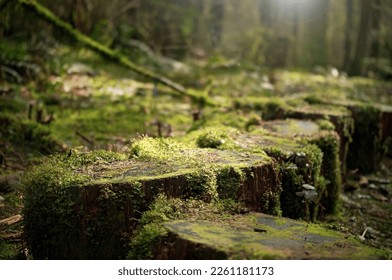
(351, 35)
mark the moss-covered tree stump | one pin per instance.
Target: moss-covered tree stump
(322, 134)
(87, 205)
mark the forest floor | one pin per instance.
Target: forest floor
(95, 105)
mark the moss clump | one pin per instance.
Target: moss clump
(156, 149)
(302, 167)
(270, 108)
(325, 125)
(66, 216)
(201, 184)
(329, 143)
(215, 138)
(77, 158)
(229, 180)
(151, 229)
(51, 211)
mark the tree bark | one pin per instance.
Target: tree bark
(348, 35)
(363, 39)
(46, 14)
(376, 26)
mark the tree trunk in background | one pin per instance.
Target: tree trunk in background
(348, 35)
(217, 13)
(265, 12)
(318, 54)
(363, 38)
(294, 41)
(376, 28)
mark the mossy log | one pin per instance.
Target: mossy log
(113, 55)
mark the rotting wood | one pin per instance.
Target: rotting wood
(46, 14)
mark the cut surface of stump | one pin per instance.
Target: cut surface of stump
(259, 236)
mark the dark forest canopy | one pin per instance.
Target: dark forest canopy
(354, 36)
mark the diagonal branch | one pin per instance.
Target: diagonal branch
(46, 14)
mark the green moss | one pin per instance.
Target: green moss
(28, 135)
(329, 143)
(11, 105)
(229, 180)
(211, 139)
(151, 229)
(77, 158)
(157, 149)
(201, 184)
(301, 168)
(142, 245)
(325, 125)
(215, 138)
(66, 216)
(258, 236)
(152, 232)
(270, 108)
(51, 208)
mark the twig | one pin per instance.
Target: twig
(10, 221)
(362, 237)
(85, 138)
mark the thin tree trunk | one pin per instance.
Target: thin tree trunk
(363, 38)
(348, 35)
(376, 26)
